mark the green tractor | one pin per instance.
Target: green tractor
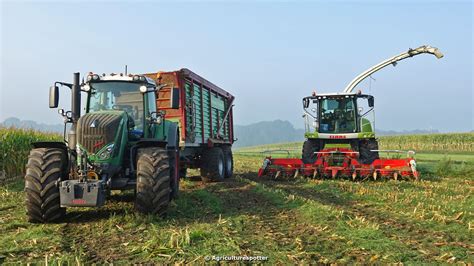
(120, 143)
(347, 117)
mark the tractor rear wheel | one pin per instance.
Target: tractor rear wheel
(175, 172)
(153, 181)
(229, 161)
(212, 165)
(310, 146)
(366, 156)
(45, 167)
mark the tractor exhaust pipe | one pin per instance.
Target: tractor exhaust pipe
(76, 98)
(76, 110)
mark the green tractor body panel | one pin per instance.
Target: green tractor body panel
(161, 131)
(112, 152)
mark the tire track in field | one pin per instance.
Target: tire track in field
(409, 234)
(278, 227)
(78, 236)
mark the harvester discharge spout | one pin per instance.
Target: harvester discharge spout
(425, 49)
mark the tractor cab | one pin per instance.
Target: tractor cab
(123, 94)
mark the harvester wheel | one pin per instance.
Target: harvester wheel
(44, 168)
(153, 181)
(366, 156)
(212, 165)
(309, 149)
(229, 161)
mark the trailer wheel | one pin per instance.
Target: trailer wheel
(153, 181)
(228, 161)
(310, 146)
(182, 172)
(212, 165)
(366, 156)
(44, 168)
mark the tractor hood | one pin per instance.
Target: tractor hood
(98, 132)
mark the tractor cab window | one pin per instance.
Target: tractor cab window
(337, 115)
(118, 96)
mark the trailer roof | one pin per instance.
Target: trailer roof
(195, 77)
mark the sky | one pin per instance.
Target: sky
(268, 54)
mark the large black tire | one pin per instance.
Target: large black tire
(44, 168)
(174, 173)
(366, 156)
(212, 165)
(153, 181)
(228, 161)
(309, 148)
(183, 171)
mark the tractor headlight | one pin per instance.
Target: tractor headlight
(143, 89)
(86, 88)
(106, 152)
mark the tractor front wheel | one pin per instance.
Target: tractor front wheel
(45, 167)
(153, 181)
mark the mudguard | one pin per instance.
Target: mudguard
(50, 144)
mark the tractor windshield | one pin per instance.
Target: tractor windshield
(337, 115)
(118, 95)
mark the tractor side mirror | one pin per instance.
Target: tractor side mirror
(174, 98)
(371, 101)
(305, 102)
(53, 96)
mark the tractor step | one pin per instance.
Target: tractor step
(75, 193)
(340, 162)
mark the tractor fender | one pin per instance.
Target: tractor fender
(50, 144)
(150, 143)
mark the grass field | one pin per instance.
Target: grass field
(287, 221)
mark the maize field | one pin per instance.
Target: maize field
(298, 221)
(15, 144)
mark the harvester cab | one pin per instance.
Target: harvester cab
(121, 142)
(340, 135)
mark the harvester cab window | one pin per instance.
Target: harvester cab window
(365, 115)
(119, 96)
(337, 115)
